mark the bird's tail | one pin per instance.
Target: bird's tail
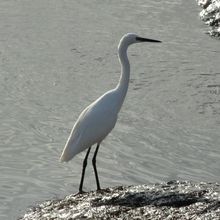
(69, 150)
(65, 156)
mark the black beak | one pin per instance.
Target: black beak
(141, 39)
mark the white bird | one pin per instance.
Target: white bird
(99, 118)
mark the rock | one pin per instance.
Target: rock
(211, 15)
(171, 200)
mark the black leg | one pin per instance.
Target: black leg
(94, 166)
(83, 171)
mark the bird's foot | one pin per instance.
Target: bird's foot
(102, 191)
(80, 192)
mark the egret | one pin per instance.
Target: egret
(98, 119)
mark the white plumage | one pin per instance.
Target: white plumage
(99, 118)
(92, 126)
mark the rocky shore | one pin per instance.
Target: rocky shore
(210, 14)
(171, 200)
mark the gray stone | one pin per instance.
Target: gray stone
(211, 15)
(171, 200)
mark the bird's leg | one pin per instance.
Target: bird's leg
(83, 170)
(94, 166)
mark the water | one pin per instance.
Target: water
(58, 56)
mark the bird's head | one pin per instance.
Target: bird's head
(131, 38)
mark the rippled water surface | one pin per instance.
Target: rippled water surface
(58, 56)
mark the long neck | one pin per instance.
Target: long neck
(122, 86)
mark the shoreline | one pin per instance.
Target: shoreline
(174, 199)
